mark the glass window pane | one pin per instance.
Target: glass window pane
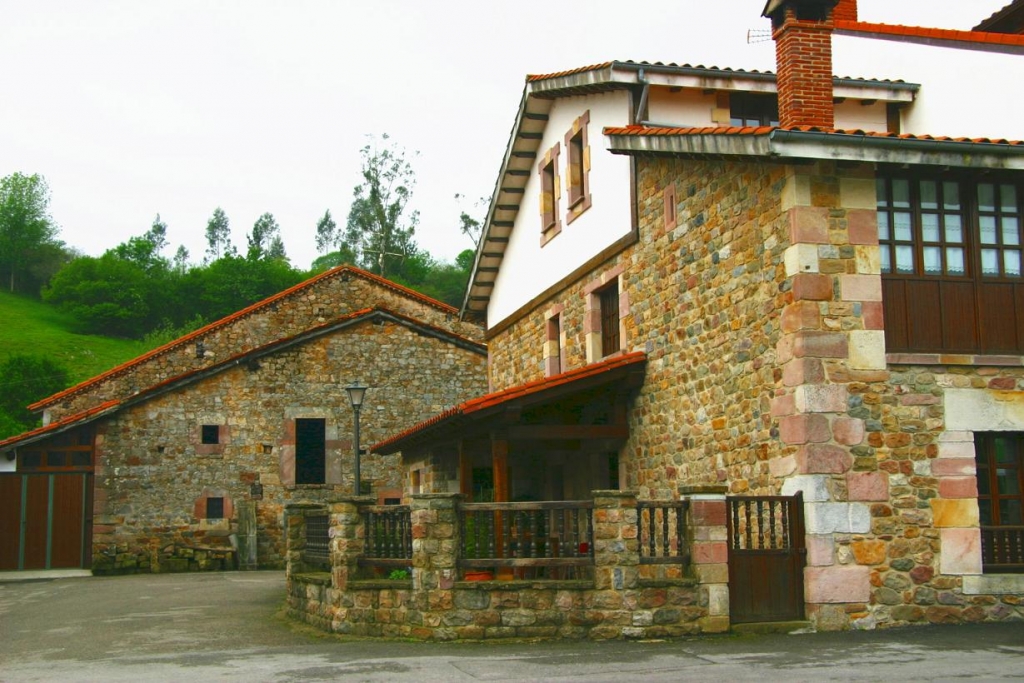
(56, 459)
(930, 227)
(1011, 230)
(983, 484)
(886, 260)
(901, 194)
(985, 512)
(955, 261)
(1009, 512)
(988, 229)
(929, 195)
(903, 230)
(986, 197)
(1007, 481)
(883, 225)
(989, 262)
(954, 229)
(1008, 195)
(904, 259)
(932, 260)
(1011, 263)
(1005, 452)
(80, 458)
(881, 192)
(950, 196)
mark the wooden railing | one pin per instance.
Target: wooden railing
(388, 530)
(764, 523)
(318, 541)
(1002, 548)
(551, 534)
(662, 527)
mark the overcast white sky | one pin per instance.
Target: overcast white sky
(133, 108)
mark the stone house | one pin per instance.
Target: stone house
(770, 284)
(184, 457)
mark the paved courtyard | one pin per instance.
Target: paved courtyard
(228, 627)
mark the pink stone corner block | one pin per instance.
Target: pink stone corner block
(861, 287)
(707, 512)
(713, 552)
(801, 315)
(814, 344)
(800, 429)
(808, 225)
(961, 551)
(873, 313)
(812, 287)
(864, 486)
(958, 487)
(848, 431)
(820, 550)
(803, 371)
(862, 225)
(823, 459)
(953, 467)
(783, 405)
(837, 584)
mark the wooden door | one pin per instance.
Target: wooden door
(44, 520)
(766, 558)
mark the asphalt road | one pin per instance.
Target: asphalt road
(229, 627)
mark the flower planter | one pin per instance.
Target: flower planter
(478, 576)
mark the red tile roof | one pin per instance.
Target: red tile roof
(57, 425)
(498, 398)
(192, 336)
(654, 131)
(569, 72)
(980, 38)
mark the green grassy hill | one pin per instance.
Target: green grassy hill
(32, 327)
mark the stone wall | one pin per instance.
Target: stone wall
(702, 297)
(436, 605)
(152, 472)
(319, 300)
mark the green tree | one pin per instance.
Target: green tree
(108, 295)
(379, 228)
(25, 224)
(265, 239)
(218, 235)
(25, 379)
(327, 235)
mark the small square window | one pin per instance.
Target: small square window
(211, 434)
(215, 508)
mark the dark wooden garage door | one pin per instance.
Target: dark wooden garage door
(766, 558)
(43, 520)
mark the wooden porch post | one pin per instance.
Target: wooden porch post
(465, 472)
(499, 465)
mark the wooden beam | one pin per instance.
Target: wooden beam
(535, 117)
(514, 190)
(543, 432)
(507, 207)
(499, 466)
(465, 471)
(503, 224)
(530, 136)
(518, 172)
(495, 238)
(524, 155)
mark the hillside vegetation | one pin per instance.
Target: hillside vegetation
(28, 326)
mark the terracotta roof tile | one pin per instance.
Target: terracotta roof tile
(192, 336)
(942, 34)
(499, 397)
(58, 424)
(593, 67)
(650, 131)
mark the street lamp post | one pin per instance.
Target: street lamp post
(356, 392)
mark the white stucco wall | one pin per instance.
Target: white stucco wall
(7, 465)
(687, 108)
(527, 268)
(963, 92)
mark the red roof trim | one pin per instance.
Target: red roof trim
(499, 397)
(192, 336)
(939, 34)
(59, 424)
(647, 131)
(593, 67)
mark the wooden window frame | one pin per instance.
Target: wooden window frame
(550, 189)
(753, 109)
(968, 312)
(577, 167)
(310, 453)
(608, 305)
(999, 527)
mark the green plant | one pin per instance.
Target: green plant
(398, 574)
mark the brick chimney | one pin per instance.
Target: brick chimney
(845, 10)
(802, 30)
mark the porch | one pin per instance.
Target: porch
(608, 566)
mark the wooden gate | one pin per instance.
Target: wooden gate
(44, 520)
(766, 558)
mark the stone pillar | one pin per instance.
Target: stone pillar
(709, 552)
(435, 547)
(616, 540)
(295, 534)
(348, 538)
(832, 345)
